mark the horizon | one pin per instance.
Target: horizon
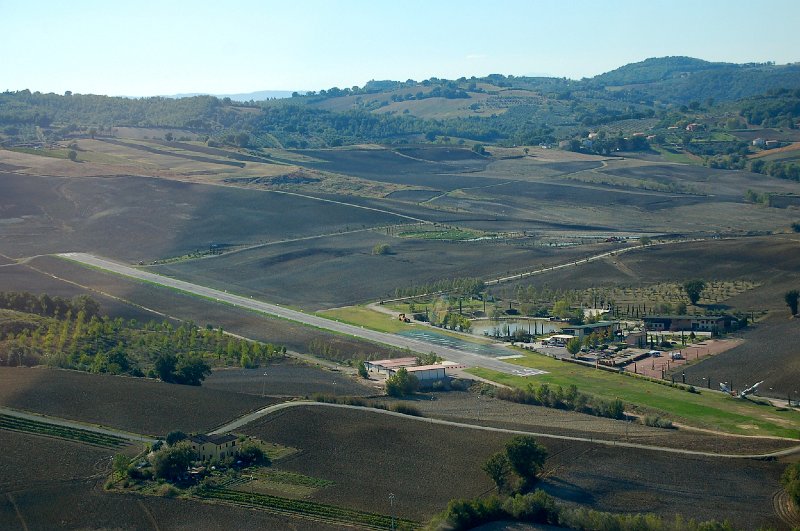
(90, 47)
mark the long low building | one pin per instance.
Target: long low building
(384, 366)
(677, 323)
(425, 373)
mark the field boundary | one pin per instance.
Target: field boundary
(305, 509)
(251, 417)
(70, 425)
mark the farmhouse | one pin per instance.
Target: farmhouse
(213, 446)
(609, 328)
(677, 323)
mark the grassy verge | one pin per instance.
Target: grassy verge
(8, 422)
(319, 511)
(381, 322)
(706, 409)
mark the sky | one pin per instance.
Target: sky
(146, 48)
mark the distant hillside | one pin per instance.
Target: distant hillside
(640, 99)
(260, 95)
(656, 69)
(684, 79)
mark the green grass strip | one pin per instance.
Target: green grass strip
(9, 422)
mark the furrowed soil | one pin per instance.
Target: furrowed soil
(138, 405)
(287, 379)
(341, 270)
(369, 455)
(137, 218)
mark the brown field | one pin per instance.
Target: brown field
(59, 485)
(287, 379)
(341, 270)
(369, 455)
(138, 405)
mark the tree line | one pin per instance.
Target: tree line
(89, 342)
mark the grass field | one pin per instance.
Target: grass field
(707, 409)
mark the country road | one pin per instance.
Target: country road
(459, 356)
(255, 415)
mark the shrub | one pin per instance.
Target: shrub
(251, 453)
(405, 409)
(791, 482)
(402, 383)
(658, 422)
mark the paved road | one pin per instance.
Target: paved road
(78, 425)
(250, 417)
(452, 354)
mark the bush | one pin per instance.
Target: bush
(402, 383)
(405, 409)
(251, 453)
(791, 482)
(657, 422)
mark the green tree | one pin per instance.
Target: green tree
(526, 457)
(362, 370)
(169, 137)
(645, 240)
(174, 437)
(119, 465)
(73, 155)
(574, 345)
(402, 383)
(171, 462)
(251, 453)
(791, 482)
(498, 469)
(693, 289)
(791, 298)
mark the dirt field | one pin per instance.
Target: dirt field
(356, 445)
(138, 405)
(137, 218)
(287, 379)
(369, 456)
(341, 270)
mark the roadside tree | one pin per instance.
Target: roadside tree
(574, 345)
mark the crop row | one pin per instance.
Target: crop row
(308, 508)
(63, 432)
(290, 478)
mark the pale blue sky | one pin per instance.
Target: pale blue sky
(140, 48)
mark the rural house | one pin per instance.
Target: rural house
(213, 446)
(696, 323)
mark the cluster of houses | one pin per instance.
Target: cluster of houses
(652, 323)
